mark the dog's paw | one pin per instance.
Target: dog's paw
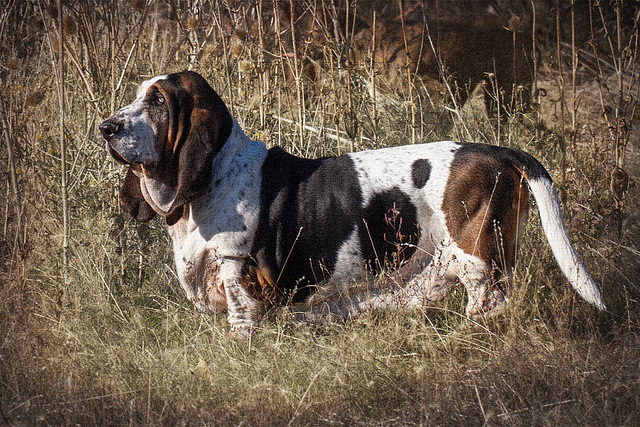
(242, 332)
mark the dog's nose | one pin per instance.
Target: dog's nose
(109, 128)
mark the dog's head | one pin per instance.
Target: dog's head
(168, 136)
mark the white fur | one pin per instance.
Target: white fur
(158, 194)
(383, 169)
(553, 225)
(136, 141)
(212, 246)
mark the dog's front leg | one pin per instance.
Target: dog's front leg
(243, 311)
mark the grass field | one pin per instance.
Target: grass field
(94, 329)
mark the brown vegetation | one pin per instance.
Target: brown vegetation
(93, 327)
(452, 56)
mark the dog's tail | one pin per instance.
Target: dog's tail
(544, 193)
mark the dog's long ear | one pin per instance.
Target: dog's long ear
(199, 125)
(131, 198)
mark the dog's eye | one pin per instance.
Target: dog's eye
(155, 97)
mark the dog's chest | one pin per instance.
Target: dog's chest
(221, 224)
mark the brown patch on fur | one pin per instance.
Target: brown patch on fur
(483, 202)
(261, 284)
(214, 293)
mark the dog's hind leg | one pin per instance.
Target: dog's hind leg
(451, 265)
(484, 294)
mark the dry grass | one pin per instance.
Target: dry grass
(119, 344)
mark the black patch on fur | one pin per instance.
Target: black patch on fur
(420, 172)
(389, 229)
(309, 207)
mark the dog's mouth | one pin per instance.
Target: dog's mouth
(117, 155)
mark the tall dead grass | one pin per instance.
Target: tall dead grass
(116, 342)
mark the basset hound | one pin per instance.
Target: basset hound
(254, 227)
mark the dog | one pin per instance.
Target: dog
(254, 227)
